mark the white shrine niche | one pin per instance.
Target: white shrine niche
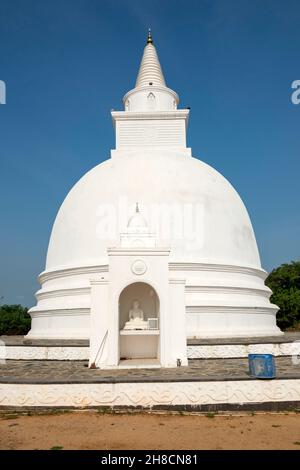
(142, 309)
(138, 303)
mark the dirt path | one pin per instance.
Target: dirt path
(93, 430)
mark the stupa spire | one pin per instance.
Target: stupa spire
(150, 72)
(150, 93)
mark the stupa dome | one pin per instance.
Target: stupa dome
(221, 234)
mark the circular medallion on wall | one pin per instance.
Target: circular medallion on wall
(139, 267)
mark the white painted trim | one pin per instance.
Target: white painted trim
(50, 293)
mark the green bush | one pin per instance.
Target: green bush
(14, 320)
(284, 282)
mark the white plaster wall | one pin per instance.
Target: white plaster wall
(151, 133)
(137, 99)
(139, 346)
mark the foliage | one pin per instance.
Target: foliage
(284, 282)
(14, 320)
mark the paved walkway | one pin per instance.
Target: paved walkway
(78, 372)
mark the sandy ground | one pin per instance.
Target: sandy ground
(95, 430)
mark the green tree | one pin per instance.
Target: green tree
(284, 282)
(14, 320)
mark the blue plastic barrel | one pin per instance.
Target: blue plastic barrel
(262, 366)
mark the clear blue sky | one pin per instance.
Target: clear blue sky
(66, 63)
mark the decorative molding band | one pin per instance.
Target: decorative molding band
(228, 290)
(149, 394)
(43, 294)
(72, 271)
(173, 280)
(218, 268)
(37, 312)
(98, 282)
(198, 309)
(54, 293)
(178, 266)
(138, 251)
(150, 115)
(271, 310)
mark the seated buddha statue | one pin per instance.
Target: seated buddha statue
(136, 318)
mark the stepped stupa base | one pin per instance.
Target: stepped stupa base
(217, 384)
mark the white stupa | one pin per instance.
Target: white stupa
(189, 218)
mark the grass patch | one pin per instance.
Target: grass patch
(54, 411)
(9, 417)
(210, 415)
(57, 448)
(106, 411)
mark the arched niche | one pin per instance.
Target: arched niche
(140, 345)
(151, 101)
(147, 297)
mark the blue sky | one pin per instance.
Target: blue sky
(67, 63)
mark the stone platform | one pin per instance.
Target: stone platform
(206, 384)
(288, 344)
(47, 373)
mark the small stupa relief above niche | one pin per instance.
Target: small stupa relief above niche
(137, 233)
